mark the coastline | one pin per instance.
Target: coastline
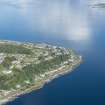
(40, 83)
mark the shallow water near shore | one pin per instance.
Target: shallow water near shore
(67, 23)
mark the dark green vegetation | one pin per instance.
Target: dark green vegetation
(7, 61)
(14, 49)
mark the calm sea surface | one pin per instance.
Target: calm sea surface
(68, 23)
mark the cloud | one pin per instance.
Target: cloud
(57, 17)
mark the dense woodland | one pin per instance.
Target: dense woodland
(15, 49)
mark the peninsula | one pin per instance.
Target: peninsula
(28, 66)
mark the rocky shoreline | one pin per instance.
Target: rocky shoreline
(42, 82)
(23, 56)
